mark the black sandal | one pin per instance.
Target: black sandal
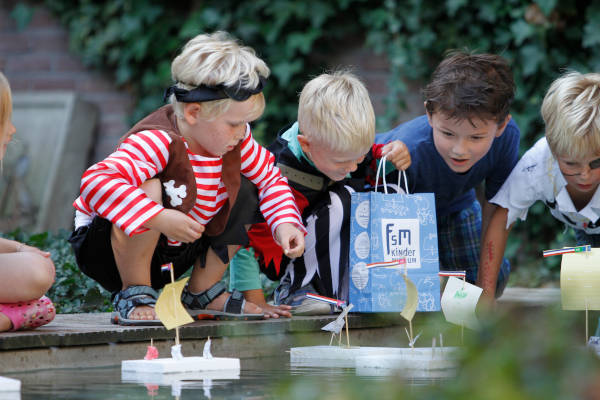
(128, 299)
(232, 310)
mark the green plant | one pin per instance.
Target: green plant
(72, 291)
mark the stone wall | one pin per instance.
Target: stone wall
(38, 59)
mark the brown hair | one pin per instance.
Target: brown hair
(464, 86)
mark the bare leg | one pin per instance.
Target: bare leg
(133, 255)
(24, 276)
(203, 278)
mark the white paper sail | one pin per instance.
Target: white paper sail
(206, 351)
(459, 301)
(580, 280)
(337, 324)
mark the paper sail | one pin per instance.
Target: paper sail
(459, 301)
(580, 280)
(168, 307)
(412, 299)
(337, 324)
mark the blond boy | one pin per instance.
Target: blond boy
(177, 189)
(562, 169)
(326, 155)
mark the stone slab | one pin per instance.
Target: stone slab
(44, 164)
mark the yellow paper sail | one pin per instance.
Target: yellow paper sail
(580, 280)
(168, 307)
(412, 299)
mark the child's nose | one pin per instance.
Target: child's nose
(459, 148)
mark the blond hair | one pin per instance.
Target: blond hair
(5, 108)
(571, 111)
(335, 110)
(218, 59)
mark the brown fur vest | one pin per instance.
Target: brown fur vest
(180, 170)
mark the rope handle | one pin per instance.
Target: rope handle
(381, 167)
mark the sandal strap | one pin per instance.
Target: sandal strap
(235, 303)
(201, 300)
(133, 296)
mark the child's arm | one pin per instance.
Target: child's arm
(492, 253)
(111, 188)
(12, 246)
(275, 196)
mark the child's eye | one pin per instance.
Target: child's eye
(476, 137)
(449, 134)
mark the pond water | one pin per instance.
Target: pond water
(257, 379)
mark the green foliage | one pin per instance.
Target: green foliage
(72, 291)
(137, 40)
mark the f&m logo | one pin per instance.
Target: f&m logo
(400, 238)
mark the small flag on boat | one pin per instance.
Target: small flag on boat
(324, 299)
(566, 250)
(458, 274)
(387, 264)
(166, 267)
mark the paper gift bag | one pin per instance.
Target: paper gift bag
(386, 228)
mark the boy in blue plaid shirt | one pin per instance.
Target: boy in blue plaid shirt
(466, 138)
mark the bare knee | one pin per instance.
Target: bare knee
(41, 276)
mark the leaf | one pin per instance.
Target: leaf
(22, 15)
(532, 57)
(521, 30)
(453, 5)
(546, 6)
(591, 30)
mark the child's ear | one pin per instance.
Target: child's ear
(191, 112)
(304, 143)
(502, 126)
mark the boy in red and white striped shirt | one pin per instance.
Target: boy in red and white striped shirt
(181, 186)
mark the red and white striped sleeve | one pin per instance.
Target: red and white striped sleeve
(111, 190)
(275, 196)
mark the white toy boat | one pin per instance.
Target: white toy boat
(172, 314)
(10, 389)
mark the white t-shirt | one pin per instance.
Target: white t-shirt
(537, 177)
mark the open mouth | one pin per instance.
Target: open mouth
(458, 161)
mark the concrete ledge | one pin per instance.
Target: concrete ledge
(92, 329)
(530, 297)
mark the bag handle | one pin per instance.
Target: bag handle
(381, 168)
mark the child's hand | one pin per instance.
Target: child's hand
(176, 225)
(291, 239)
(22, 247)
(398, 154)
(276, 311)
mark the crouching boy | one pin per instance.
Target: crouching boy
(326, 155)
(172, 190)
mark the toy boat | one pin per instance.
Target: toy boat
(172, 314)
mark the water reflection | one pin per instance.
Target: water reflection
(256, 378)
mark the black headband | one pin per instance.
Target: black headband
(210, 93)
